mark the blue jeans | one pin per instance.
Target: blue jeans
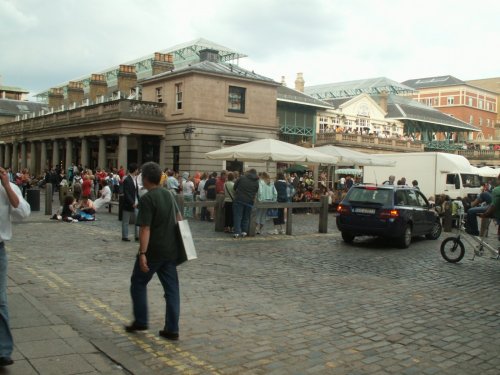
(471, 219)
(125, 222)
(6, 342)
(241, 216)
(167, 273)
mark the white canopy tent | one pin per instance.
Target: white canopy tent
(349, 157)
(271, 150)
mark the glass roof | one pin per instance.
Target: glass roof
(371, 86)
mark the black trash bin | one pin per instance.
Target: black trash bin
(33, 198)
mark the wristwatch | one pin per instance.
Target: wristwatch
(141, 253)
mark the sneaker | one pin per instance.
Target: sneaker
(274, 232)
(282, 231)
(236, 236)
(243, 234)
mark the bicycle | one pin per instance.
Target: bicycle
(453, 248)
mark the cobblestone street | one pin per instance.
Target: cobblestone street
(267, 305)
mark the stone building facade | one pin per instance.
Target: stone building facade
(183, 113)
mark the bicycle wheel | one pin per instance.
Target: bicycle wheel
(452, 249)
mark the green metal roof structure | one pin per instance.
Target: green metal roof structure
(13, 89)
(183, 55)
(371, 86)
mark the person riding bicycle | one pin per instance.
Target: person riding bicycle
(478, 206)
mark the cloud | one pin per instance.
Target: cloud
(50, 42)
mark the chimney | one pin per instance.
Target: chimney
(127, 79)
(56, 98)
(209, 55)
(299, 82)
(383, 100)
(162, 63)
(75, 92)
(97, 87)
(283, 81)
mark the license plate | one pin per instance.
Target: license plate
(369, 211)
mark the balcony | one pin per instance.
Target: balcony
(369, 142)
(118, 109)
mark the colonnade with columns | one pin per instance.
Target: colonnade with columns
(35, 156)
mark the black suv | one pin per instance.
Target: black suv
(399, 212)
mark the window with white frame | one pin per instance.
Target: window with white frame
(451, 100)
(323, 124)
(335, 120)
(480, 121)
(488, 122)
(178, 96)
(471, 119)
(428, 101)
(480, 104)
(470, 101)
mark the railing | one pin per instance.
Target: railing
(368, 141)
(219, 211)
(123, 108)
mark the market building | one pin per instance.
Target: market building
(465, 101)
(170, 107)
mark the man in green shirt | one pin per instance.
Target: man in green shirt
(158, 252)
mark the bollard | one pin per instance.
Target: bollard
(447, 218)
(289, 212)
(219, 213)
(323, 215)
(48, 199)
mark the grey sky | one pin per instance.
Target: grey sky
(45, 43)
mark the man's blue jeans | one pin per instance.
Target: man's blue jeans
(471, 219)
(6, 342)
(125, 222)
(167, 273)
(241, 216)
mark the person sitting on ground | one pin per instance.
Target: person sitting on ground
(69, 210)
(478, 206)
(86, 205)
(105, 195)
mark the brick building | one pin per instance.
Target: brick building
(470, 103)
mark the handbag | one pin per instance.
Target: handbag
(186, 250)
(272, 213)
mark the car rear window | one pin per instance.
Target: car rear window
(378, 196)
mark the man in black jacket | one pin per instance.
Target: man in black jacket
(246, 189)
(130, 201)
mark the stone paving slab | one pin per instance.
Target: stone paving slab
(270, 305)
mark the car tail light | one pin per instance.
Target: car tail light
(389, 214)
(343, 210)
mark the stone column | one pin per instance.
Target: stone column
(85, 153)
(33, 159)
(101, 160)
(43, 156)
(15, 158)
(24, 163)
(122, 150)
(55, 153)
(163, 148)
(69, 153)
(7, 156)
(2, 155)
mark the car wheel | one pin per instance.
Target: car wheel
(347, 237)
(405, 240)
(435, 232)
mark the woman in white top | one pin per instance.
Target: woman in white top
(188, 191)
(105, 196)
